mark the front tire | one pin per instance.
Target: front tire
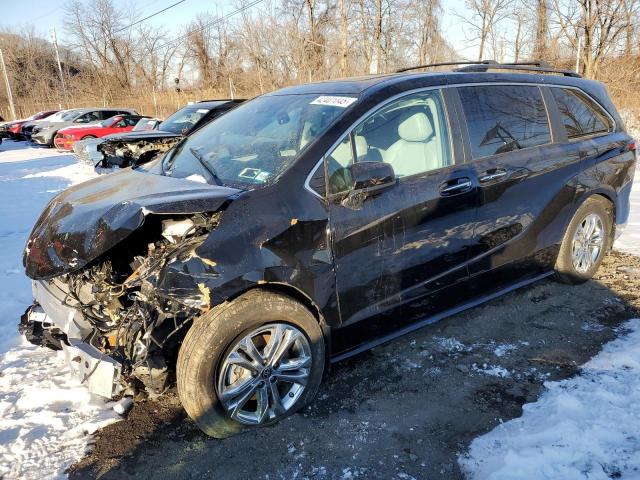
(587, 239)
(249, 363)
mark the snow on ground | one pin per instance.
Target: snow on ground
(585, 427)
(629, 241)
(44, 412)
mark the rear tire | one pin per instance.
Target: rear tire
(206, 374)
(587, 240)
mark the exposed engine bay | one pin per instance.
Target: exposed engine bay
(128, 153)
(117, 309)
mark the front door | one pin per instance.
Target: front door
(410, 240)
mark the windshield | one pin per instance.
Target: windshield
(68, 116)
(145, 124)
(107, 123)
(183, 120)
(254, 143)
(56, 117)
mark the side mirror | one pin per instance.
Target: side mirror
(370, 178)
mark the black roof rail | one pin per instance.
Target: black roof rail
(540, 67)
(445, 64)
(485, 65)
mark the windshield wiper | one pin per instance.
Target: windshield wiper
(205, 165)
(169, 156)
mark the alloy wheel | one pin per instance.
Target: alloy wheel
(264, 374)
(587, 243)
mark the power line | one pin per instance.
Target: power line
(211, 24)
(149, 16)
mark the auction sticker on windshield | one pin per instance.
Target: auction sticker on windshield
(342, 102)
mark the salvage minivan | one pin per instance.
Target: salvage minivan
(310, 224)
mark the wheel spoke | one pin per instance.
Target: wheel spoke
(247, 346)
(236, 359)
(276, 401)
(298, 377)
(236, 389)
(274, 342)
(263, 403)
(290, 337)
(296, 364)
(236, 406)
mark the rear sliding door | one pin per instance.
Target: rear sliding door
(523, 182)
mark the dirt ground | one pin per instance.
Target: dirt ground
(403, 410)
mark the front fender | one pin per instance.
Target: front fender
(284, 243)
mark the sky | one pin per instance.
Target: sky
(48, 14)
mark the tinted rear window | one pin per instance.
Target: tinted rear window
(579, 114)
(503, 118)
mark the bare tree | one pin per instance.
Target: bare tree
(600, 24)
(483, 17)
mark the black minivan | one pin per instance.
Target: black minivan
(314, 222)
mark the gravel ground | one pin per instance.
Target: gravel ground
(403, 410)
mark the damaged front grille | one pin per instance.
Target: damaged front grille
(130, 320)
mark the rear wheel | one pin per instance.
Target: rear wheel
(250, 362)
(586, 241)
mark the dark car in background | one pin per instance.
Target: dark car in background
(140, 146)
(44, 132)
(312, 223)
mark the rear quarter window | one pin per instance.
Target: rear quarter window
(580, 115)
(504, 118)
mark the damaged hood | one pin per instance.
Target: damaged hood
(83, 222)
(143, 135)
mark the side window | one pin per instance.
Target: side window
(88, 118)
(121, 124)
(579, 114)
(503, 118)
(410, 134)
(338, 163)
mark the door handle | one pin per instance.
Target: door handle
(491, 175)
(457, 186)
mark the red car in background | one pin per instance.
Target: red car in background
(66, 137)
(12, 129)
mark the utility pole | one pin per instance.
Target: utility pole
(578, 51)
(6, 82)
(55, 46)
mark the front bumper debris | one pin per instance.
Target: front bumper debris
(53, 319)
(98, 371)
(86, 151)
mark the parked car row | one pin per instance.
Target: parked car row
(150, 137)
(14, 129)
(109, 137)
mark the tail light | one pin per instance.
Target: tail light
(631, 146)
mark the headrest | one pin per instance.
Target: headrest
(415, 128)
(361, 145)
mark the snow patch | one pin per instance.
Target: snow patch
(491, 370)
(46, 414)
(75, 173)
(11, 152)
(586, 427)
(451, 345)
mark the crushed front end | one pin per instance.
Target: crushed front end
(119, 333)
(98, 257)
